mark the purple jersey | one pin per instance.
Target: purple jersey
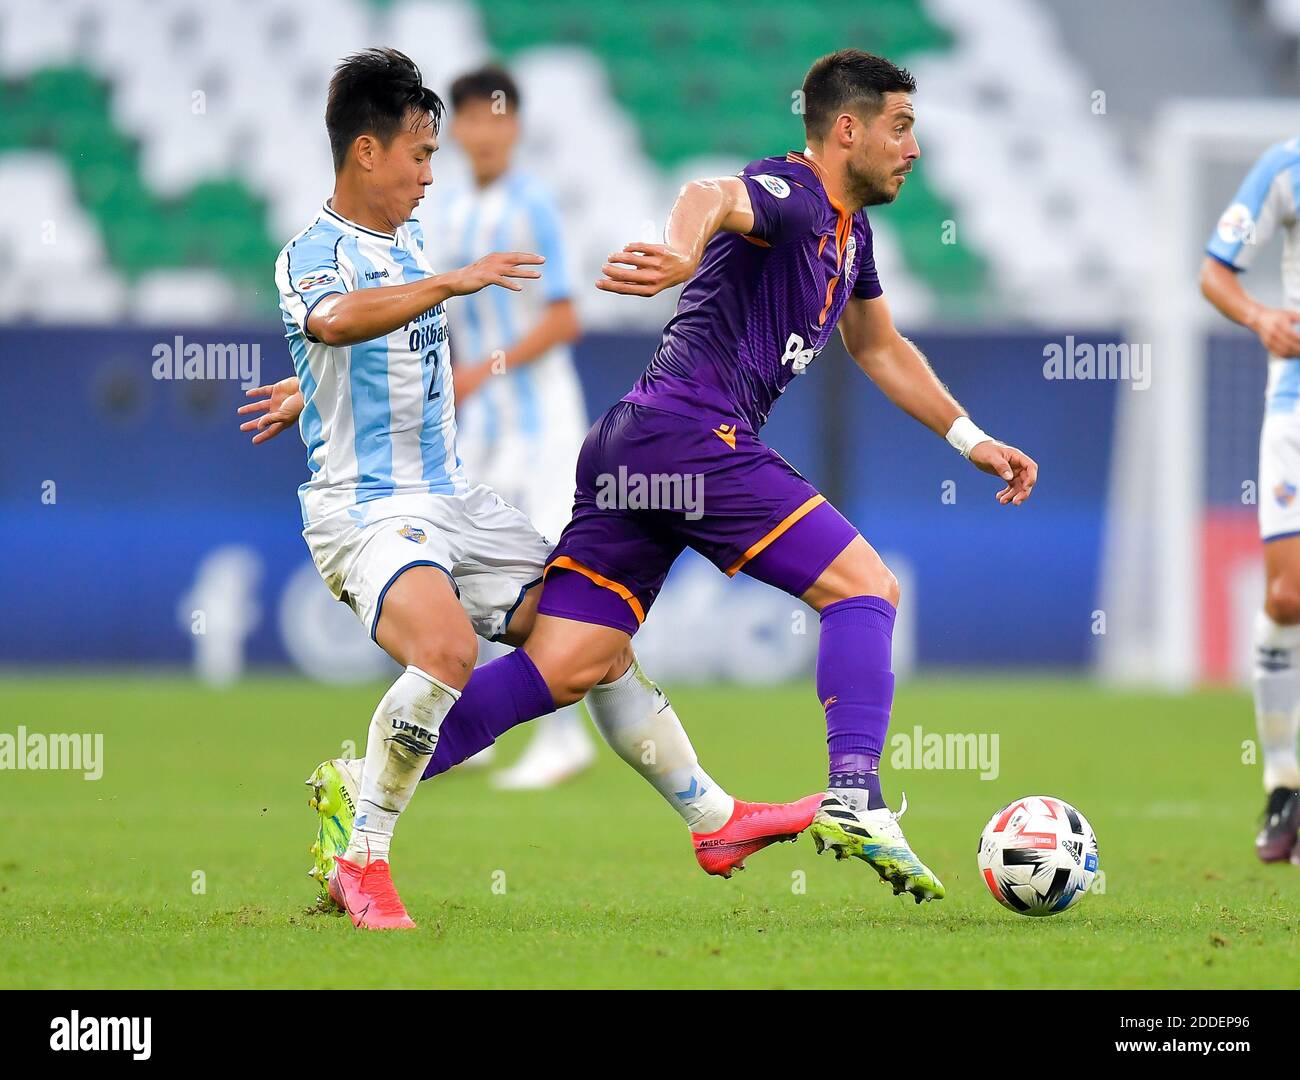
(760, 307)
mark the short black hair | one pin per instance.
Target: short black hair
(853, 80)
(371, 93)
(484, 84)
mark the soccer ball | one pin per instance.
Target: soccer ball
(1038, 855)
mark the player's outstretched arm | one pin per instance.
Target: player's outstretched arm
(703, 208)
(275, 407)
(905, 377)
(1275, 327)
(347, 318)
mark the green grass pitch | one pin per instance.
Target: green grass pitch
(185, 865)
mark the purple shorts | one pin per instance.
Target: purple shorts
(652, 483)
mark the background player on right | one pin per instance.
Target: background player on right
(1266, 200)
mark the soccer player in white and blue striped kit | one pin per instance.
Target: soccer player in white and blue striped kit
(522, 417)
(422, 556)
(425, 557)
(1268, 201)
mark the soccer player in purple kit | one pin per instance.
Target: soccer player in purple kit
(773, 261)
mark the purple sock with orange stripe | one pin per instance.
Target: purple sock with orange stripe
(855, 684)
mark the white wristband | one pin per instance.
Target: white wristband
(964, 436)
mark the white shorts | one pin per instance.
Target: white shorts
(488, 549)
(1279, 476)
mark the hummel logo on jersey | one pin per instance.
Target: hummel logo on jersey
(727, 433)
(796, 355)
(375, 275)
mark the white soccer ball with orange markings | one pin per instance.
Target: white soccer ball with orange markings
(1038, 855)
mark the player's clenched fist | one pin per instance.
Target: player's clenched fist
(644, 270)
(1017, 468)
(495, 269)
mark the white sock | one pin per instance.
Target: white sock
(1277, 700)
(637, 721)
(403, 735)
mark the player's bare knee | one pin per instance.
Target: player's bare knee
(576, 680)
(1282, 601)
(886, 586)
(448, 656)
(568, 673)
(871, 579)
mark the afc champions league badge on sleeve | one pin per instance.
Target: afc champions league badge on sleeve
(314, 281)
(1237, 226)
(774, 184)
(850, 250)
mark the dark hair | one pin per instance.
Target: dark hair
(850, 80)
(372, 93)
(484, 84)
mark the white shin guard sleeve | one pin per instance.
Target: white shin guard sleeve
(403, 735)
(638, 722)
(1277, 700)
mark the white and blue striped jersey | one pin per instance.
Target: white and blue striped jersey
(379, 417)
(1266, 201)
(529, 406)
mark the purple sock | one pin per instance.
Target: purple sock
(855, 685)
(502, 693)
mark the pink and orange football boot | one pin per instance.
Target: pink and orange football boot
(368, 895)
(751, 827)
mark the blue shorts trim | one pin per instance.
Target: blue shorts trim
(379, 606)
(505, 625)
(1280, 536)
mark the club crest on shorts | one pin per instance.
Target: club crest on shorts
(1284, 493)
(411, 533)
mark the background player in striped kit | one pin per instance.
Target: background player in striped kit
(520, 411)
(1266, 201)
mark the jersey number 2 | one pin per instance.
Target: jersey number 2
(431, 357)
